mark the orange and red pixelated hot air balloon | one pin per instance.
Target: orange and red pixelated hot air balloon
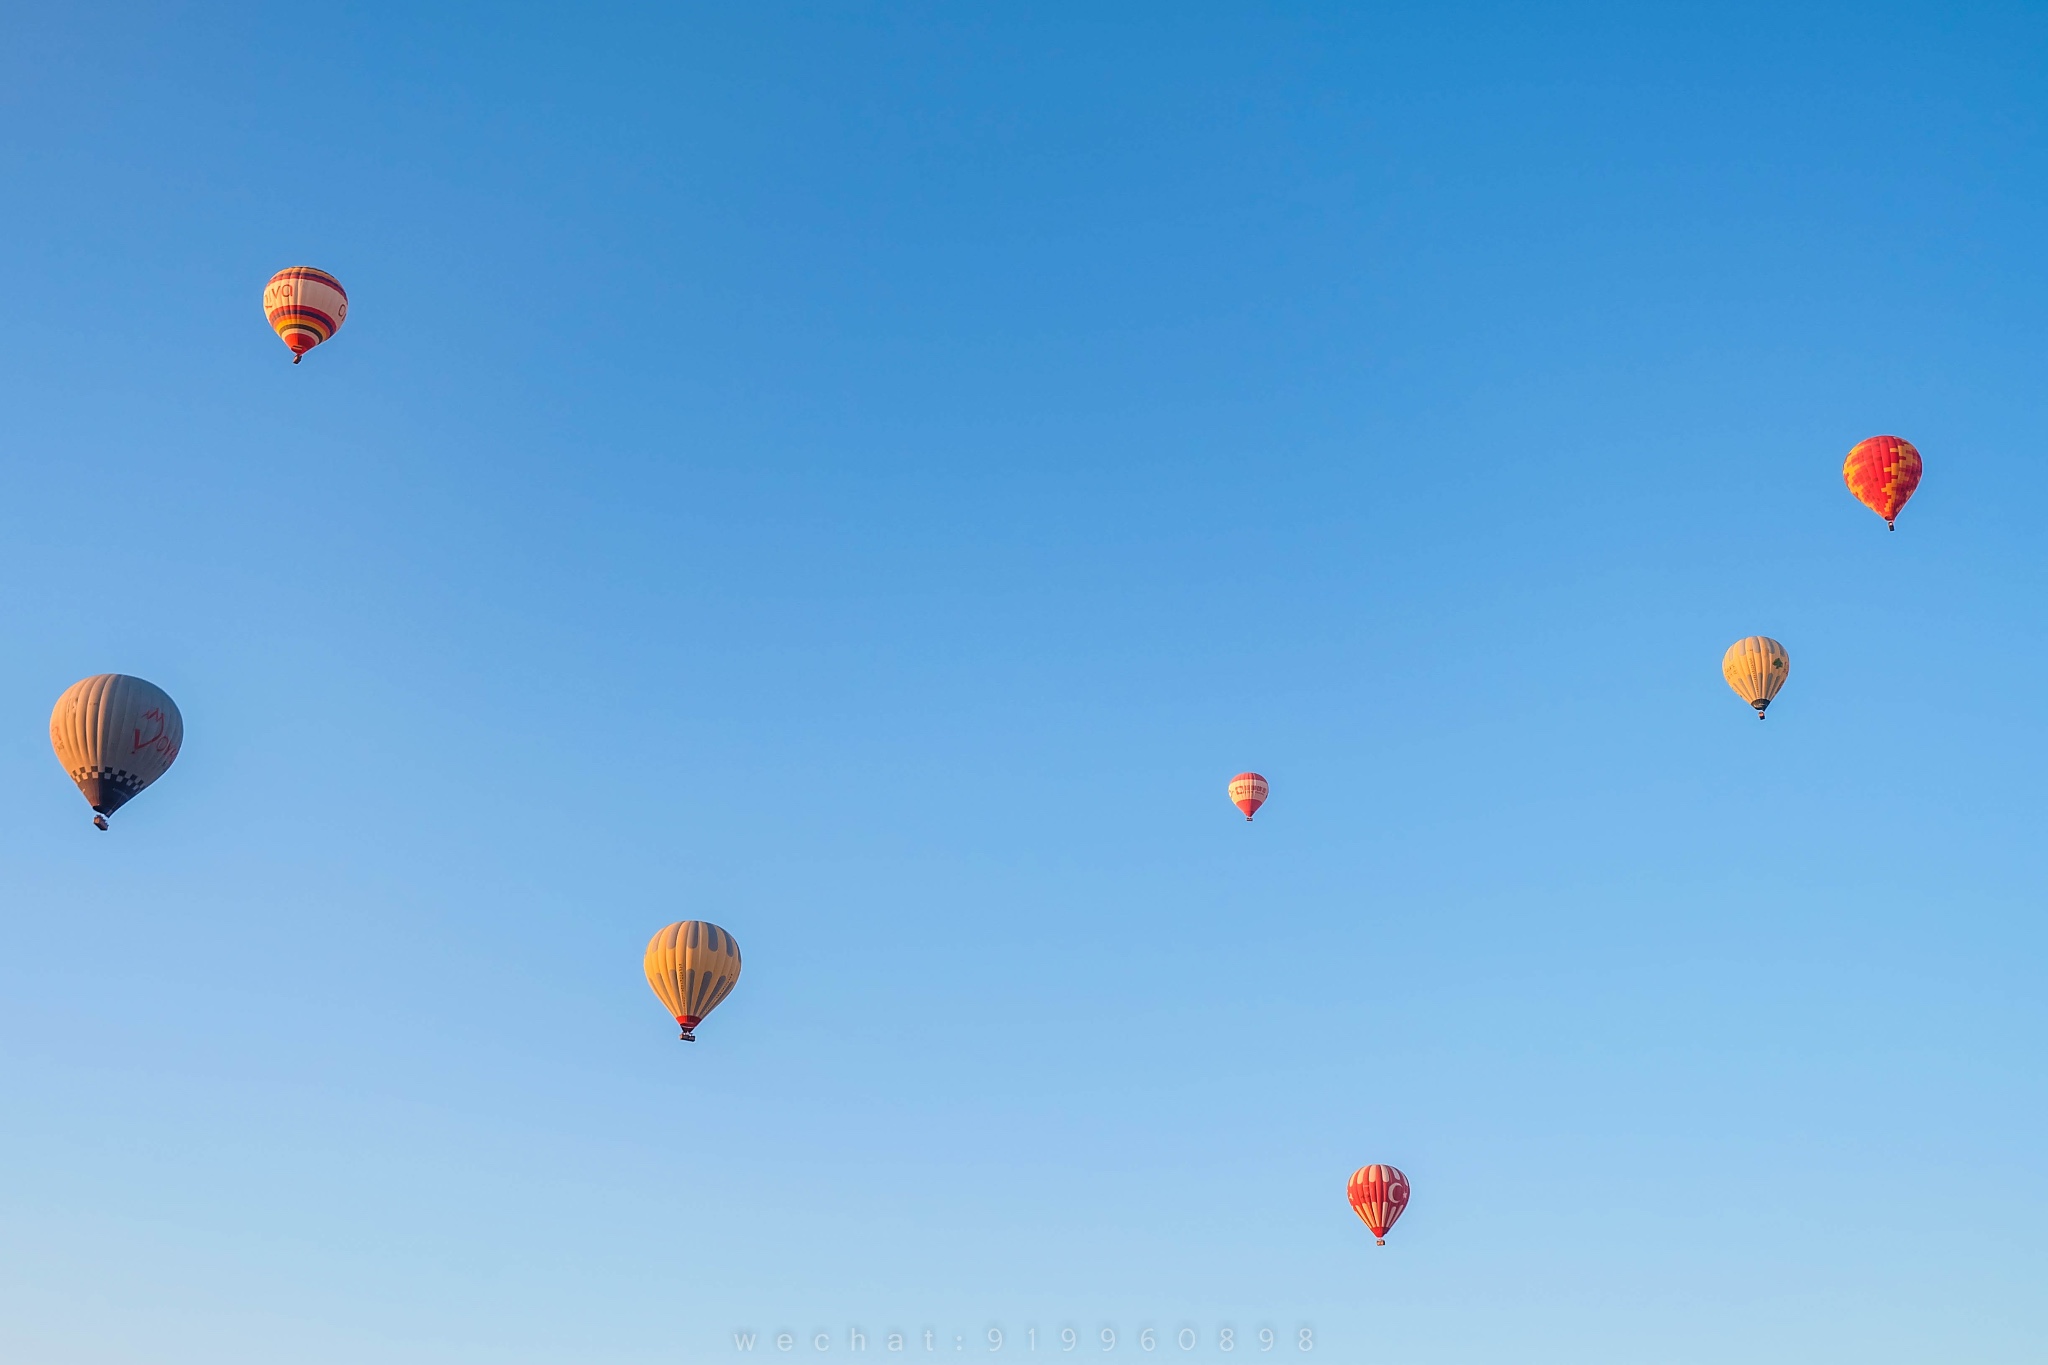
(1882, 472)
(1378, 1194)
(305, 306)
(1248, 793)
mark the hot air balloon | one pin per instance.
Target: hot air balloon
(1882, 472)
(305, 306)
(115, 735)
(692, 965)
(1755, 667)
(1378, 1194)
(1248, 793)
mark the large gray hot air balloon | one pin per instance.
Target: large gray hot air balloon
(115, 735)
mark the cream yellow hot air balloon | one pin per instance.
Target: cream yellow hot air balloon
(1755, 667)
(692, 965)
(115, 735)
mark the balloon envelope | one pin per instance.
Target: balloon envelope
(115, 735)
(692, 965)
(1248, 792)
(1378, 1194)
(305, 306)
(1756, 667)
(1882, 472)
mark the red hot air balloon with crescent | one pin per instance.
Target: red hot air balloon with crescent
(1378, 1194)
(305, 306)
(1882, 472)
(1248, 793)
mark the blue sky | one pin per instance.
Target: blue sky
(867, 476)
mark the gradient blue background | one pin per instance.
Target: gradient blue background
(867, 476)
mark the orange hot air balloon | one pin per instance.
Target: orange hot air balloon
(1248, 793)
(1378, 1194)
(1882, 472)
(692, 965)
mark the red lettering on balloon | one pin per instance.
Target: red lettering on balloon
(158, 741)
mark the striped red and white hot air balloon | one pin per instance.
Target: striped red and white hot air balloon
(1378, 1194)
(305, 306)
(1248, 793)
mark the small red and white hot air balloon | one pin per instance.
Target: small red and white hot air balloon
(305, 307)
(1248, 793)
(1378, 1194)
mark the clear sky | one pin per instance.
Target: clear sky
(867, 475)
